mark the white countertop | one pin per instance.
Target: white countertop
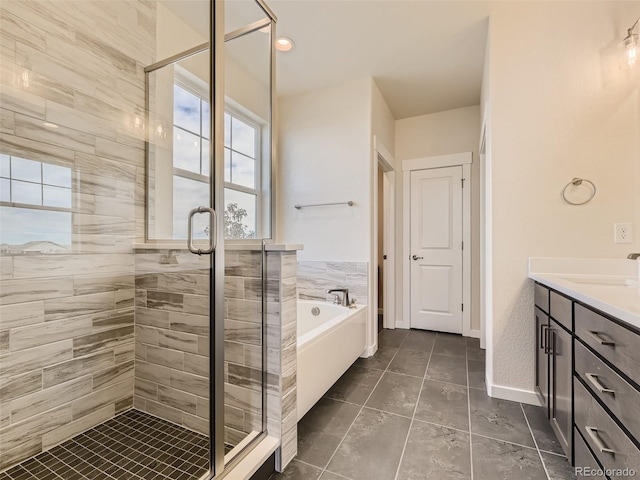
(599, 283)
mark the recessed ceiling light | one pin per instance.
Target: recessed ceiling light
(50, 125)
(284, 44)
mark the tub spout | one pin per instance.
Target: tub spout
(345, 295)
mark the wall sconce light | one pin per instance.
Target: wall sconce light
(631, 46)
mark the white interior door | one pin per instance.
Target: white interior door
(436, 249)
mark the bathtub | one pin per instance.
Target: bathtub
(328, 343)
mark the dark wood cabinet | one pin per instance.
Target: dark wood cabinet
(561, 385)
(542, 358)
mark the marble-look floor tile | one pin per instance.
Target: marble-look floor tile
(541, 428)
(496, 460)
(421, 340)
(450, 344)
(445, 404)
(410, 362)
(558, 467)
(476, 374)
(474, 352)
(500, 419)
(372, 447)
(379, 361)
(433, 452)
(326, 475)
(392, 338)
(355, 385)
(396, 394)
(445, 368)
(298, 471)
(321, 430)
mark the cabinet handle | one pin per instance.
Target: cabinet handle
(554, 371)
(593, 380)
(547, 348)
(595, 437)
(600, 339)
(543, 345)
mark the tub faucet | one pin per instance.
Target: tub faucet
(345, 296)
(633, 256)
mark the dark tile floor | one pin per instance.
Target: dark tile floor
(132, 446)
(418, 409)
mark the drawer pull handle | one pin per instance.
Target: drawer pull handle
(593, 434)
(593, 380)
(600, 339)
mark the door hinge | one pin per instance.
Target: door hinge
(462, 180)
(462, 245)
(462, 307)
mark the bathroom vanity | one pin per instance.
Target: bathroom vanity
(588, 364)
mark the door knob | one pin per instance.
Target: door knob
(415, 257)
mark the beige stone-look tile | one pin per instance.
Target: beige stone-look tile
(97, 166)
(233, 287)
(187, 382)
(244, 376)
(39, 266)
(178, 399)
(87, 224)
(124, 353)
(243, 332)
(111, 319)
(14, 27)
(196, 423)
(140, 403)
(36, 403)
(184, 342)
(153, 317)
(20, 385)
(153, 373)
(98, 341)
(196, 304)
(5, 414)
(125, 298)
(101, 398)
(203, 408)
(15, 363)
(91, 184)
(88, 284)
(204, 346)
(34, 150)
(146, 389)
(33, 129)
(7, 121)
(4, 341)
(49, 332)
(117, 151)
(21, 314)
(72, 118)
(164, 411)
(21, 433)
(16, 100)
(196, 364)
(59, 435)
(166, 357)
(189, 323)
(244, 398)
(112, 375)
(147, 335)
(62, 308)
(73, 368)
(234, 352)
(19, 291)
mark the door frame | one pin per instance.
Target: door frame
(384, 159)
(426, 163)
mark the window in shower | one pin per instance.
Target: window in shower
(35, 206)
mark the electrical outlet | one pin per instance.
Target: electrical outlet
(623, 233)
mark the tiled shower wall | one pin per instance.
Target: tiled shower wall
(172, 336)
(66, 319)
(316, 277)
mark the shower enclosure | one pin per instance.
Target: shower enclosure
(136, 194)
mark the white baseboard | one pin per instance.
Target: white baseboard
(369, 351)
(513, 394)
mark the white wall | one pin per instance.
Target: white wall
(560, 107)
(324, 156)
(453, 131)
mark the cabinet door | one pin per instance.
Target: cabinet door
(561, 385)
(542, 358)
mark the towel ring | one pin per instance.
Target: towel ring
(577, 182)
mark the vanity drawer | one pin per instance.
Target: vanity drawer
(613, 449)
(585, 463)
(619, 397)
(619, 345)
(542, 297)
(560, 310)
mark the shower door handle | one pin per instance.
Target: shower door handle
(213, 231)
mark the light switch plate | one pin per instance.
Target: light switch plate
(623, 233)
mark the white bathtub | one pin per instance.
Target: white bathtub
(327, 345)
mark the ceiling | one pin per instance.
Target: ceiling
(425, 56)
